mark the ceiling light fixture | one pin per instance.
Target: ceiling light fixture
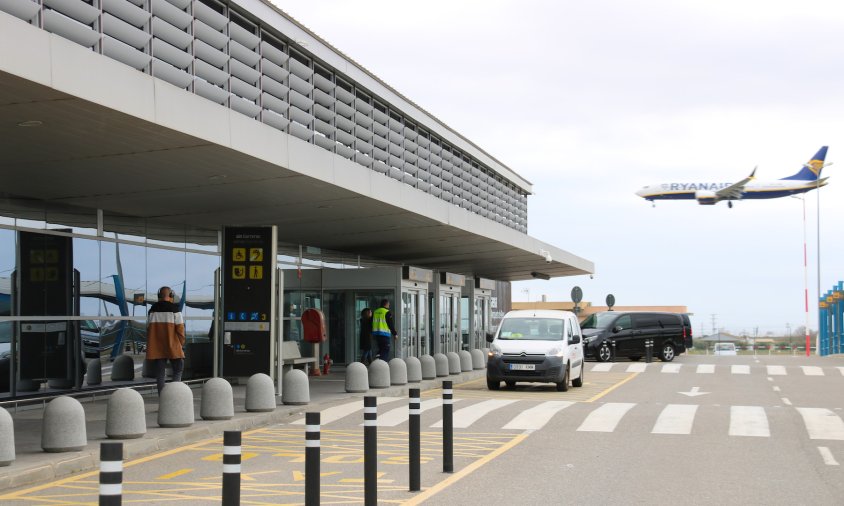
(30, 123)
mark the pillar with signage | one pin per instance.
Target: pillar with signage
(449, 336)
(249, 301)
(481, 321)
(414, 339)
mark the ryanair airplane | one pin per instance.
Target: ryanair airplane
(708, 193)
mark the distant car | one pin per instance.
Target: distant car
(724, 349)
(90, 333)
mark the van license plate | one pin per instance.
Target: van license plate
(522, 367)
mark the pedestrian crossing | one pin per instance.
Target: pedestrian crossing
(737, 369)
(532, 415)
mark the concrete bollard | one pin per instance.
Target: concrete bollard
(123, 369)
(125, 416)
(175, 407)
(453, 362)
(357, 378)
(94, 376)
(465, 360)
(478, 359)
(379, 374)
(414, 369)
(217, 400)
(295, 389)
(441, 362)
(398, 372)
(63, 428)
(7, 438)
(429, 367)
(260, 393)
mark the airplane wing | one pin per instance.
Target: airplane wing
(734, 191)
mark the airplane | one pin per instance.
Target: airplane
(709, 193)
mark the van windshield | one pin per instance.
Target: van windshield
(598, 321)
(535, 329)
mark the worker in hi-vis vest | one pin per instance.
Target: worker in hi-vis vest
(383, 329)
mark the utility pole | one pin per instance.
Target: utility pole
(713, 323)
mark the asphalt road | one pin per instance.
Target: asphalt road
(701, 430)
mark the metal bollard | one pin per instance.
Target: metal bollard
(231, 468)
(448, 428)
(613, 349)
(312, 449)
(649, 344)
(414, 449)
(370, 451)
(111, 474)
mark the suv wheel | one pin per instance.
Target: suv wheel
(667, 353)
(493, 385)
(604, 353)
(579, 381)
(563, 386)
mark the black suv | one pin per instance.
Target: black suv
(671, 334)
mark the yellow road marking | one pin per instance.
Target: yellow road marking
(219, 456)
(174, 474)
(439, 487)
(300, 476)
(610, 389)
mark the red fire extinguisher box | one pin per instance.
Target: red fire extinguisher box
(313, 325)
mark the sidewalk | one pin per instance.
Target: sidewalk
(33, 466)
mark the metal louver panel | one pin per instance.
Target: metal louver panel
(323, 84)
(125, 53)
(362, 133)
(380, 154)
(396, 126)
(410, 133)
(273, 103)
(380, 129)
(300, 116)
(168, 12)
(165, 31)
(273, 53)
(124, 32)
(170, 54)
(210, 54)
(243, 53)
(422, 152)
(301, 132)
(363, 146)
(410, 145)
(410, 168)
(363, 159)
(344, 123)
(209, 16)
(395, 149)
(210, 73)
(363, 120)
(323, 113)
(344, 110)
(300, 101)
(380, 117)
(324, 142)
(344, 151)
(362, 106)
(24, 10)
(181, 4)
(343, 95)
(72, 30)
(245, 73)
(244, 90)
(422, 141)
(275, 120)
(323, 98)
(271, 69)
(74, 9)
(380, 142)
(210, 35)
(127, 11)
(245, 107)
(171, 74)
(424, 165)
(380, 167)
(300, 69)
(434, 169)
(210, 91)
(299, 84)
(410, 157)
(344, 137)
(395, 137)
(323, 128)
(243, 36)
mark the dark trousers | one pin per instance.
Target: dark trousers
(384, 347)
(178, 365)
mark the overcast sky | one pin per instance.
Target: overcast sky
(592, 100)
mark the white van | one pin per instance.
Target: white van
(537, 346)
(724, 349)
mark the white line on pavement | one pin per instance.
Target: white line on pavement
(463, 418)
(822, 423)
(740, 369)
(671, 368)
(675, 419)
(749, 421)
(827, 457)
(786, 401)
(536, 417)
(335, 413)
(640, 367)
(812, 370)
(605, 418)
(776, 370)
(706, 369)
(604, 367)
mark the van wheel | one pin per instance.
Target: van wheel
(510, 384)
(579, 381)
(604, 353)
(667, 353)
(634, 359)
(563, 386)
(493, 385)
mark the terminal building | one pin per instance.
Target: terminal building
(141, 137)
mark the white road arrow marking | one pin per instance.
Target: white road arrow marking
(694, 392)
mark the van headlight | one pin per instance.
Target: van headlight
(494, 350)
(556, 351)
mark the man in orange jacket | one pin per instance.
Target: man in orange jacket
(165, 337)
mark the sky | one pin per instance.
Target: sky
(590, 101)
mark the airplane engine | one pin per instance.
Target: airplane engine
(705, 198)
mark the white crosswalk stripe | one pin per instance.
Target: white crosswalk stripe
(335, 413)
(602, 367)
(822, 423)
(605, 418)
(398, 416)
(812, 370)
(536, 417)
(776, 370)
(671, 368)
(842, 370)
(640, 367)
(706, 369)
(463, 418)
(675, 419)
(740, 369)
(749, 421)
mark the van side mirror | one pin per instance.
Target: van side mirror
(574, 340)
(490, 337)
(617, 329)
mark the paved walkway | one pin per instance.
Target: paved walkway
(33, 466)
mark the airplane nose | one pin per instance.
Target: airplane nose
(641, 192)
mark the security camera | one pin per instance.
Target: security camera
(548, 258)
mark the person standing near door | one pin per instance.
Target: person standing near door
(383, 329)
(166, 337)
(366, 336)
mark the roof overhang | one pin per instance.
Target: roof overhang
(115, 139)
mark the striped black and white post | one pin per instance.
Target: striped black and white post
(649, 353)
(111, 474)
(370, 451)
(414, 444)
(312, 442)
(231, 468)
(448, 428)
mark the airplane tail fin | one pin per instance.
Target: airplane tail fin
(811, 170)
